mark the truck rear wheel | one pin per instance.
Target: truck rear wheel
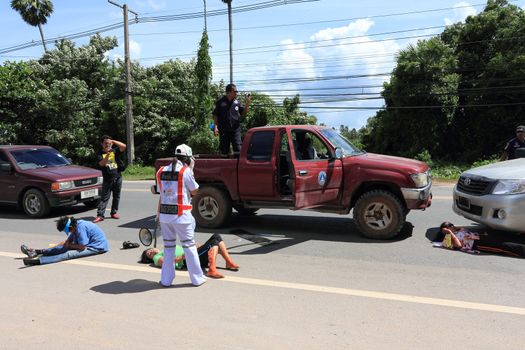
(212, 207)
(35, 204)
(379, 214)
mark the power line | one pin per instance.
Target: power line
(199, 14)
(319, 22)
(114, 26)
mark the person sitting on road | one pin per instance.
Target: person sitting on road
(459, 238)
(84, 239)
(207, 256)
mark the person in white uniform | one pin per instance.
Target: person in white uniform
(176, 186)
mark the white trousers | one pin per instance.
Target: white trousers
(185, 233)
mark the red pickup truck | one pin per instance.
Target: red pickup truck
(37, 178)
(310, 167)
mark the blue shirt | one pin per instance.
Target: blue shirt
(90, 235)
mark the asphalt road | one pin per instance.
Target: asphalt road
(307, 280)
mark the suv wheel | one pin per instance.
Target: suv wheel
(379, 214)
(35, 203)
(212, 207)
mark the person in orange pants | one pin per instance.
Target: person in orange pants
(207, 256)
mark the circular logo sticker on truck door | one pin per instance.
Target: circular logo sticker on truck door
(321, 178)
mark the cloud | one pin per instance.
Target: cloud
(155, 5)
(293, 56)
(344, 52)
(461, 11)
(134, 50)
(359, 27)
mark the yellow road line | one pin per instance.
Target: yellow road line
(314, 288)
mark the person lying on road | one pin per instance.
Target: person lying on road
(471, 242)
(207, 256)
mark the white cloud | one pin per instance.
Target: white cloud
(293, 56)
(134, 50)
(155, 5)
(461, 11)
(359, 27)
(337, 52)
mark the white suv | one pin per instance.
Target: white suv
(493, 195)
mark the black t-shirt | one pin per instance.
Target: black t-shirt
(228, 114)
(512, 145)
(112, 167)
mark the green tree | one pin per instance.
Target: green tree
(457, 96)
(18, 100)
(491, 57)
(34, 13)
(203, 73)
(424, 77)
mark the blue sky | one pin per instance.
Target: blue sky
(279, 50)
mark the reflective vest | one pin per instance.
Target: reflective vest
(170, 185)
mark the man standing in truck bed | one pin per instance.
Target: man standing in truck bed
(226, 116)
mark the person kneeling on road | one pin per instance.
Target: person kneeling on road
(84, 239)
(207, 256)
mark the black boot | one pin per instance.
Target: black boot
(31, 261)
(28, 251)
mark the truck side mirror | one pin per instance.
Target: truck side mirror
(338, 153)
(5, 168)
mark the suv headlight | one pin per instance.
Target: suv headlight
(100, 179)
(509, 187)
(62, 185)
(420, 179)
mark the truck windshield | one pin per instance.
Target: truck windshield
(339, 141)
(33, 158)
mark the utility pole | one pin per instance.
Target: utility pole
(230, 28)
(129, 88)
(229, 3)
(205, 20)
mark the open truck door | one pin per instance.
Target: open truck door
(318, 175)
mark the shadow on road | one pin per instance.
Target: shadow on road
(268, 232)
(12, 213)
(132, 286)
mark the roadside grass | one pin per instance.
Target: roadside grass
(139, 172)
(448, 172)
(445, 172)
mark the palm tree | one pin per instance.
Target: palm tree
(229, 2)
(34, 13)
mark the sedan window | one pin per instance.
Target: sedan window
(34, 158)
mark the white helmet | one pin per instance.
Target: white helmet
(183, 150)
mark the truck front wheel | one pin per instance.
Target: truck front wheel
(212, 207)
(379, 214)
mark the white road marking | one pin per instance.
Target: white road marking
(312, 288)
